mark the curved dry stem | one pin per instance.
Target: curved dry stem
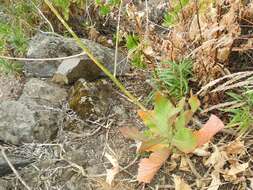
(93, 58)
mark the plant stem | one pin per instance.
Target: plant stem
(93, 58)
(117, 41)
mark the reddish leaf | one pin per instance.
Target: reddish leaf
(212, 126)
(152, 145)
(146, 115)
(132, 133)
(148, 167)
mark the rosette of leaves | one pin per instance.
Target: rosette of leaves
(174, 77)
(167, 131)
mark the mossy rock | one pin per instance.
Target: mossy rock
(90, 99)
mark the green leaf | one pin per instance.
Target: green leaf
(104, 10)
(64, 6)
(164, 110)
(138, 60)
(98, 2)
(194, 103)
(180, 121)
(235, 96)
(169, 19)
(184, 140)
(132, 42)
(114, 2)
(184, 2)
(174, 76)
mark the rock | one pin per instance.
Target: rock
(121, 111)
(90, 99)
(10, 87)
(156, 9)
(71, 70)
(39, 92)
(17, 162)
(21, 123)
(35, 116)
(16, 122)
(46, 46)
(44, 99)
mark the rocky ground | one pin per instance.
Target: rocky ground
(60, 121)
(55, 133)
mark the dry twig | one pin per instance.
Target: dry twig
(13, 168)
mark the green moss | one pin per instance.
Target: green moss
(90, 99)
(79, 100)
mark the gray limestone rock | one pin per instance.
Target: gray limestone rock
(16, 122)
(35, 116)
(16, 160)
(43, 93)
(49, 46)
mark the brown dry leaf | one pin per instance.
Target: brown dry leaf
(211, 33)
(249, 11)
(215, 181)
(212, 126)
(176, 156)
(180, 183)
(223, 53)
(132, 133)
(224, 41)
(217, 159)
(251, 183)
(93, 34)
(148, 167)
(194, 31)
(235, 148)
(184, 164)
(202, 151)
(229, 18)
(148, 51)
(151, 146)
(178, 40)
(237, 168)
(111, 173)
(172, 164)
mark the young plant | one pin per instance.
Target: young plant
(139, 50)
(106, 7)
(64, 5)
(167, 131)
(135, 53)
(175, 77)
(12, 37)
(241, 116)
(10, 67)
(171, 17)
